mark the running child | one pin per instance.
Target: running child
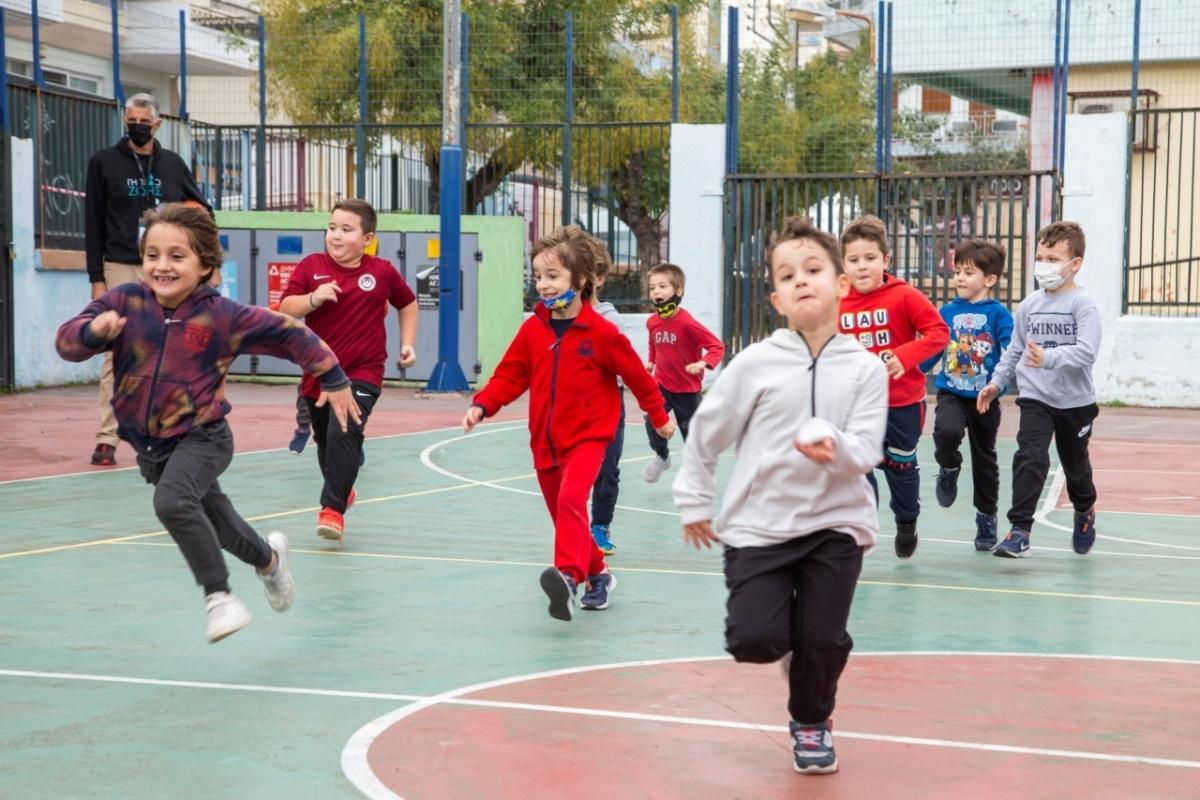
(343, 295)
(807, 409)
(173, 338)
(569, 358)
(898, 323)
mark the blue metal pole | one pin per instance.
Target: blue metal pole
(38, 77)
(674, 63)
(566, 148)
(466, 82)
(880, 25)
(887, 128)
(118, 90)
(1133, 96)
(183, 112)
(1057, 79)
(1137, 35)
(1066, 71)
(3, 82)
(360, 160)
(732, 87)
(260, 144)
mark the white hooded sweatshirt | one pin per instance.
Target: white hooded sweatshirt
(759, 403)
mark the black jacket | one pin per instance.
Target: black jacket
(121, 185)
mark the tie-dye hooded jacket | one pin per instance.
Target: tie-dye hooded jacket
(169, 371)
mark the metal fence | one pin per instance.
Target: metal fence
(1162, 277)
(926, 216)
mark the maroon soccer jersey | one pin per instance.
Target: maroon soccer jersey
(353, 326)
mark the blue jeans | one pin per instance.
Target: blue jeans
(608, 482)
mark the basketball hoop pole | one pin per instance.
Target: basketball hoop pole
(448, 375)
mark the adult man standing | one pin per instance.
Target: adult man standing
(123, 182)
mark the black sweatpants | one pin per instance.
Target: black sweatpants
(191, 506)
(956, 416)
(608, 482)
(899, 465)
(338, 453)
(796, 597)
(1071, 429)
(684, 405)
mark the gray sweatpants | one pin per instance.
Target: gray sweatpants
(191, 506)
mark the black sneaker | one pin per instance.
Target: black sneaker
(1084, 535)
(812, 748)
(985, 531)
(560, 588)
(947, 486)
(906, 538)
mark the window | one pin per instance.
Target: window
(22, 68)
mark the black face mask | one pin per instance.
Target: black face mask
(139, 133)
(666, 308)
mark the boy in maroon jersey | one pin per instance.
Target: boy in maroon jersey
(680, 350)
(343, 296)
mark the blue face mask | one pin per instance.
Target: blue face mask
(560, 302)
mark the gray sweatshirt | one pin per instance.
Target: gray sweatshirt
(1066, 324)
(758, 403)
(610, 313)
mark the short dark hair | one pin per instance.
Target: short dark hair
(866, 227)
(673, 272)
(987, 256)
(573, 248)
(361, 209)
(1063, 231)
(203, 236)
(796, 228)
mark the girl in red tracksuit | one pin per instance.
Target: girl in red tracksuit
(569, 357)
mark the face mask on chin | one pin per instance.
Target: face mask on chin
(139, 133)
(1050, 275)
(666, 308)
(561, 302)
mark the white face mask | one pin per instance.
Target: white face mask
(1049, 274)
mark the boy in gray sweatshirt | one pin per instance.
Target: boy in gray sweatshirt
(1056, 335)
(807, 409)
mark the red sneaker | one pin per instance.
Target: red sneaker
(105, 455)
(330, 524)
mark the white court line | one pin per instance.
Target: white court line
(357, 769)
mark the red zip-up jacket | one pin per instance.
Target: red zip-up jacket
(886, 322)
(572, 383)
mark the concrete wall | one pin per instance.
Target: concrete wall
(1145, 361)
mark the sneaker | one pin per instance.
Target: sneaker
(1015, 545)
(812, 748)
(278, 582)
(330, 524)
(600, 535)
(985, 531)
(105, 455)
(947, 486)
(224, 614)
(656, 468)
(560, 588)
(299, 440)
(1084, 535)
(906, 539)
(599, 587)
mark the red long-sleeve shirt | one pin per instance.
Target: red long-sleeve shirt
(676, 342)
(887, 322)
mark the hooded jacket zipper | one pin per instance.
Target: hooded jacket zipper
(162, 351)
(553, 391)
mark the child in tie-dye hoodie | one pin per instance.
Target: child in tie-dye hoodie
(173, 338)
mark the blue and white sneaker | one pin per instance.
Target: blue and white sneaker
(985, 531)
(1015, 545)
(1084, 535)
(599, 587)
(560, 588)
(600, 536)
(812, 748)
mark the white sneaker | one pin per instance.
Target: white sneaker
(278, 583)
(224, 614)
(655, 469)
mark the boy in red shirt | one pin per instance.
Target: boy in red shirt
(343, 295)
(898, 323)
(680, 350)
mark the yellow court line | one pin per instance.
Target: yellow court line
(659, 571)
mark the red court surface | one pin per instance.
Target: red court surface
(1068, 714)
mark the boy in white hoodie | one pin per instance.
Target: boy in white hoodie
(807, 409)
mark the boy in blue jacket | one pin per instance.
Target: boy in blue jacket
(980, 330)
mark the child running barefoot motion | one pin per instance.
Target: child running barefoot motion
(173, 338)
(569, 358)
(807, 409)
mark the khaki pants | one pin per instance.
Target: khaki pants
(114, 275)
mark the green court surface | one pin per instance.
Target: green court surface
(109, 689)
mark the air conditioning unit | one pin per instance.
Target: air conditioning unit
(1145, 131)
(1005, 127)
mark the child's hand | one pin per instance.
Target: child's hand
(650, 367)
(895, 367)
(325, 292)
(1035, 356)
(107, 326)
(344, 406)
(408, 356)
(696, 368)
(821, 452)
(666, 431)
(985, 398)
(700, 533)
(471, 418)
